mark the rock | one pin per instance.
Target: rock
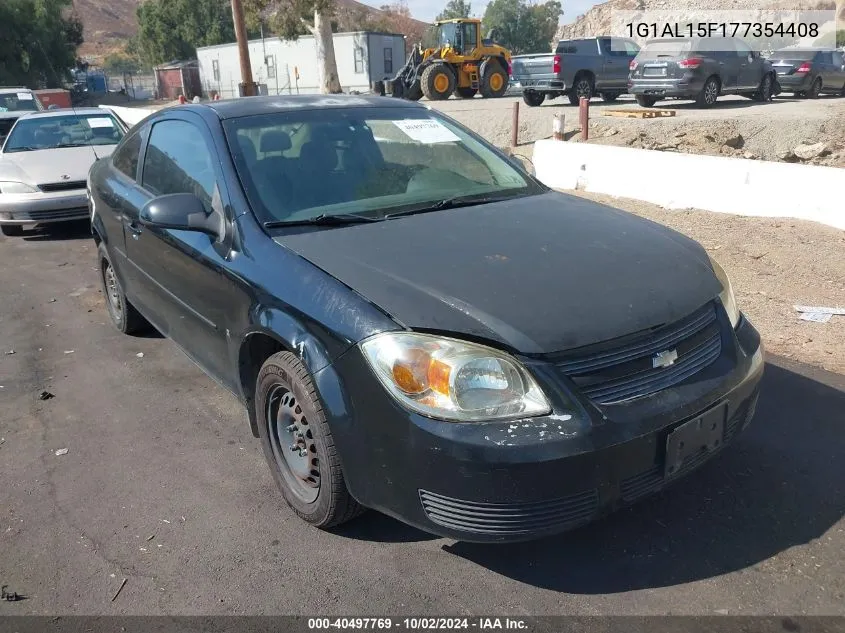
(611, 132)
(787, 157)
(680, 134)
(808, 152)
(710, 137)
(750, 155)
(735, 142)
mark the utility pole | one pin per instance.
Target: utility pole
(247, 85)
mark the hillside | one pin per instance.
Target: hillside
(598, 21)
(110, 23)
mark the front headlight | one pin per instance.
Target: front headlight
(727, 295)
(453, 380)
(16, 187)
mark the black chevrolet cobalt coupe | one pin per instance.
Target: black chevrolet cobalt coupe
(413, 322)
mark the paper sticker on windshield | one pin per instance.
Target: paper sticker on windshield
(426, 131)
(100, 121)
(24, 96)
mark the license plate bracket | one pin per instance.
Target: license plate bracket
(701, 435)
(654, 72)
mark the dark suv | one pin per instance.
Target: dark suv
(699, 69)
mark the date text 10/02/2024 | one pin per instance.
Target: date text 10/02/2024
(722, 29)
(418, 624)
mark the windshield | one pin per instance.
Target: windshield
(18, 102)
(51, 132)
(448, 34)
(364, 161)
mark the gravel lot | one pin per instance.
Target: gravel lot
(768, 129)
(163, 484)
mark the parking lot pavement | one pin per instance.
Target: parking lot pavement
(163, 485)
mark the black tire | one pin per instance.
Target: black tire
(815, 89)
(842, 92)
(438, 75)
(312, 483)
(765, 91)
(414, 92)
(645, 101)
(11, 230)
(610, 97)
(494, 80)
(709, 92)
(466, 93)
(123, 314)
(533, 99)
(582, 86)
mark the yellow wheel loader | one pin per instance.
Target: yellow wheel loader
(459, 62)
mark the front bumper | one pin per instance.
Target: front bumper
(43, 208)
(519, 480)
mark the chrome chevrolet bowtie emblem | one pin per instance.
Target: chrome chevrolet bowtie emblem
(664, 358)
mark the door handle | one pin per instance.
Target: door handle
(134, 229)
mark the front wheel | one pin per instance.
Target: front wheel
(765, 91)
(533, 99)
(645, 101)
(438, 82)
(11, 230)
(298, 444)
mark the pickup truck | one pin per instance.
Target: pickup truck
(577, 68)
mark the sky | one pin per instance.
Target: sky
(427, 10)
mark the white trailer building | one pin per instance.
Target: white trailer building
(291, 67)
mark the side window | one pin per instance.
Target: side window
(470, 37)
(742, 49)
(825, 58)
(179, 161)
(125, 159)
(838, 59)
(388, 60)
(359, 60)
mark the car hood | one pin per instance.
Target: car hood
(538, 274)
(50, 165)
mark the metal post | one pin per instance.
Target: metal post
(247, 85)
(584, 118)
(558, 127)
(515, 125)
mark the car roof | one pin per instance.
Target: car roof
(5, 89)
(47, 114)
(235, 108)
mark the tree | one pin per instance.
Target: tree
(399, 20)
(173, 29)
(522, 27)
(121, 64)
(290, 19)
(455, 9)
(38, 42)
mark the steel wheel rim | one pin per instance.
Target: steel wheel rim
(293, 444)
(441, 83)
(583, 88)
(496, 81)
(113, 291)
(710, 92)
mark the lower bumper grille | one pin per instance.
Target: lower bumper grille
(510, 519)
(54, 187)
(49, 216)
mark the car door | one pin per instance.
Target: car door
(614, 73)
(824, 63)
(724, 57)
(183, 269)
(838, 70)
(750, 67)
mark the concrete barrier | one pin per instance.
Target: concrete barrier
(682, 181)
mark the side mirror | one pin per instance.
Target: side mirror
(180, 211)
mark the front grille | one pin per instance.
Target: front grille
(624, 372)
(652, 480)
(46, 216)
(54, 187)
(510, 519)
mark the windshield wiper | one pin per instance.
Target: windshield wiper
(450, 203)
(73, 145)
(22, 148)
(323, 220)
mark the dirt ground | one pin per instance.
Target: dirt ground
(774, 264)
(768, 131)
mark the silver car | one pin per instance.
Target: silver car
(44, 165)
